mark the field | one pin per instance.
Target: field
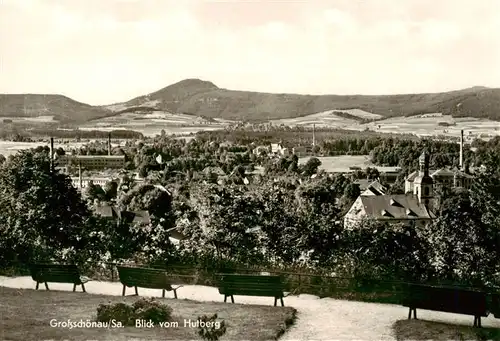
(38, 119)
(26, 315)
(9, 147)
(421, 125)
(151, 124)
(337, 164)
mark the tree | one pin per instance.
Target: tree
(311, 166)
(94, 192)
(384, 251)
(319, 219)
(225, 214)
(462, 244)
(41, 213)
(111, 189)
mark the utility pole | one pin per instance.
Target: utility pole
(314, 135)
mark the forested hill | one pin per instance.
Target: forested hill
(203, 98)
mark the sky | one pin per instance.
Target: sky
(108, 51)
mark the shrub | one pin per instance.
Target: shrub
(120, 312)
(145, 309)
(152, 310)
(209, 329)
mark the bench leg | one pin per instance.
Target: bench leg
(225, 298)
(275, 301)
(74, 287)
(175, 293)
(46, 286)
(282, 303)
(232, 299)
(37, 284)
(414, 313)
(163, 293)
(124, 289)
(477, 321)
(136, 292)
(83, 287)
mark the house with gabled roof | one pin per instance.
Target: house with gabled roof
(113, 213)
(373, 203)
(450, 178)
(388, 208)
(374, 188)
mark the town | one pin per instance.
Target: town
(249, 170)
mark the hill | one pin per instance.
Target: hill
(59, 107)
(205, 99)
(197, 97)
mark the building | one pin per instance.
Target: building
(302, 151)
(388, 208)
(450, 178)
(374, 188)
(82, 183)
(442, 177)
(413, 206)
(89, 162)
(260, 149)
(129, 217)
(92, 162)
(423, 183)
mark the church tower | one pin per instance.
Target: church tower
(423, 183)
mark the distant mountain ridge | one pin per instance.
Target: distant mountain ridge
(204, 98)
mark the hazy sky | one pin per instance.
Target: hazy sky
(106, 51)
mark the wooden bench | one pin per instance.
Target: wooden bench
(446, 299)
(57, 273)
(251, 285)
(495, 304)
(145, 278)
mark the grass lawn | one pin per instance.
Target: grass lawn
(26, 315)
(437, 331)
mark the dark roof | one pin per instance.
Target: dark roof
(138, 217)
(173, 233)
(399, 206)
(141, 217)
(440, 172)
(423, 179)
(108, 211)
(377, 188)
(363, 184)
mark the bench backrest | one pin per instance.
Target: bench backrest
(252, 285)
(446, 299)
(58, 273)
(495, 304)
(144, 278)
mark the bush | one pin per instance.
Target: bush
(210, 329)
(145, 309)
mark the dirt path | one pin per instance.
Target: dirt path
(318, 319)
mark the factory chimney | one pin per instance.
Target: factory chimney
(109, 144)
(461, 150)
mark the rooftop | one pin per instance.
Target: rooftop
(399, 206)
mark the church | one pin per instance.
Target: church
(413, 206)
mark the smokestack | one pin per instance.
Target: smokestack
(461, 150)
(109, 144)
(51, 154)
